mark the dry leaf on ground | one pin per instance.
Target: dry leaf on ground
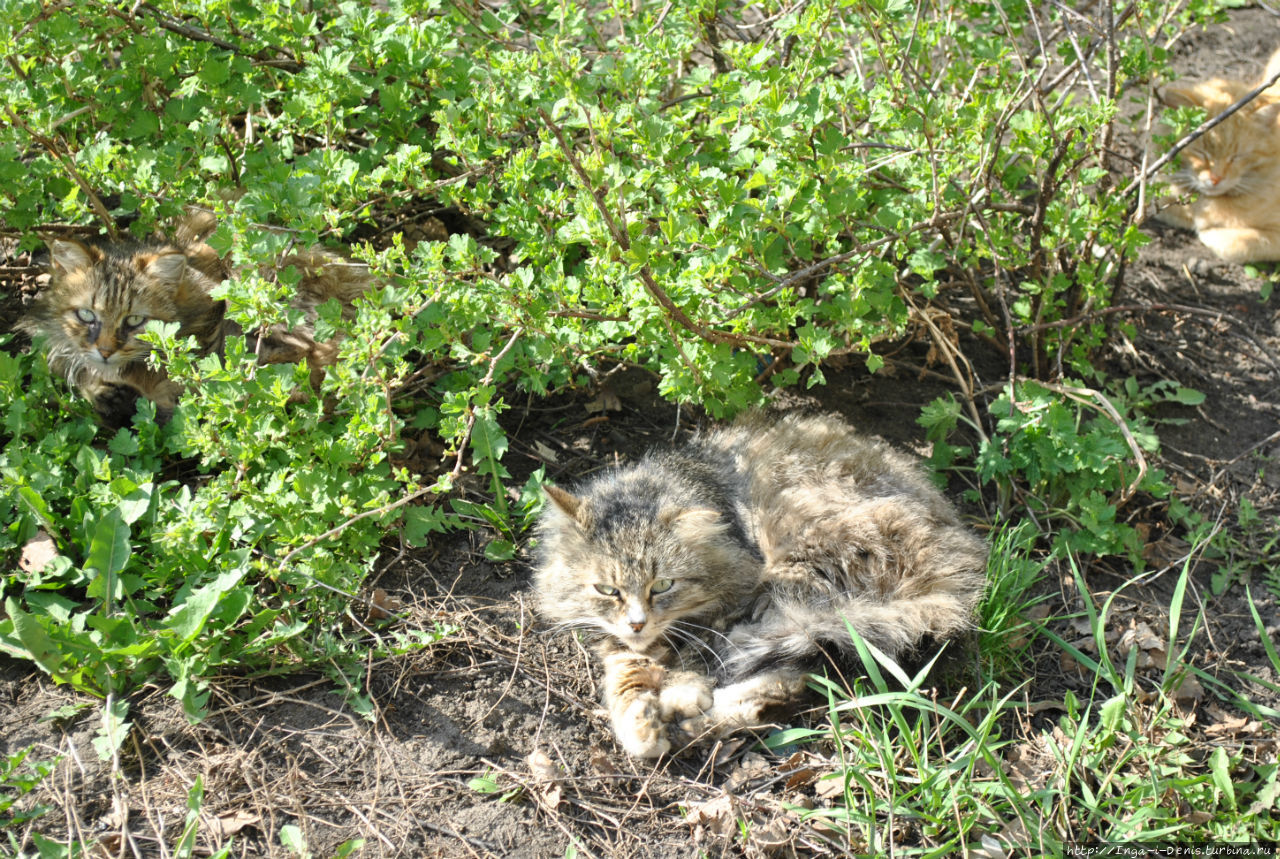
(718, 816)
(37, 553)
(1189, 691)
(228, 824)
(546, 776)
(383, 605)
(605, 401)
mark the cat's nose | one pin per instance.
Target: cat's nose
(636, 617)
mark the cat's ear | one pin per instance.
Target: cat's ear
(1267, 115)
(196, 226)
(166, 266)
(1179, 96)
(693, 524)
(1273, 66)
(70, 255)
(567, 503)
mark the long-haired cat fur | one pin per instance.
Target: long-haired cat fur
(102, 295)
(712, 576)
(1233, 168)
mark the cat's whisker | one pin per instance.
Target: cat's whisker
(697, 643)
(676, 648)
(717, 633)
(582, 623)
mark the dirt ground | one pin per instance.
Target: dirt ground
(482, 702)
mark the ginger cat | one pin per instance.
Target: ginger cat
(712, 577)
(1233, 168)
(102, 295)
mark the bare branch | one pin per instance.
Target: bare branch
(52, 146)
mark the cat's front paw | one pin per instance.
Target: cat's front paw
(640, 728)
(686, 699)
(729, 710)
(744, 704)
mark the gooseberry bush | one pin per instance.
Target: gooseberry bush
(729, 194)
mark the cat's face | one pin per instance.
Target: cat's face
(644, 580)
(98, 303)
(1225, 159)
(1233, 157)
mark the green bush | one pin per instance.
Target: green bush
(1068, 455)
(728, 194)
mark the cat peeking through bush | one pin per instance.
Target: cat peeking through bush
(101, 296)
(712, 578)
(1233, 168)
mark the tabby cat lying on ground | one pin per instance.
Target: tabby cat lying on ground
(1234, 168)
(712, 576)
(102, 295)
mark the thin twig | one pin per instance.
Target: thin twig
(1088, 396)
(1200, 130)
(48, 143)
(950, 352)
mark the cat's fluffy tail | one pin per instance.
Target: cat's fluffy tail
(792, 634)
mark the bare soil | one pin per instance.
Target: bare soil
(288, 751)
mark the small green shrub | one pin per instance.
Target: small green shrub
(18, 777)
(1068, 455)
(153, 574)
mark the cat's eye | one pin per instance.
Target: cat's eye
(86, 315)
(607, 590)
(135, 320)
(661, 586)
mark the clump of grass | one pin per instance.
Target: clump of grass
(927, 774)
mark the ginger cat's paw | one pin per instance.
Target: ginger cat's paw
(1242, 244)
(639, 727)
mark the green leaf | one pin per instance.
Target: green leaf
(500, 550)
(939, 418)
(108, 552)
(488, 442)
(191, 826)
(1112, 712)
(1188, 396)
(1220, 769)
(420, 521)
(485, 784)
(291, 839)
(28, 639)
(187, 620)
(348, 848)
(114, 729)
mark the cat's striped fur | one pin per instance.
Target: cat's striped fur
(713, 576)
